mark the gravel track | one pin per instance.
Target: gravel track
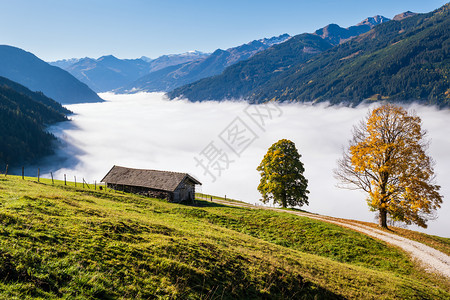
(431, 259)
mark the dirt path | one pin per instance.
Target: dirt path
(431, 259)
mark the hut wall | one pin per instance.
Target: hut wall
(185, 192)
(142, 191)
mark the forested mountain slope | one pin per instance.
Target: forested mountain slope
(23, 117)
(406, 60)
(240, 79)
(401, 60)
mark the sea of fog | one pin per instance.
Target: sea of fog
(222, 143)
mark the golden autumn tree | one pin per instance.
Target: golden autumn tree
(282, 177)
(387, 158)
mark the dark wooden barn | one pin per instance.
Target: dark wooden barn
(173, 186)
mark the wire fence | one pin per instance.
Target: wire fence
(49, 178)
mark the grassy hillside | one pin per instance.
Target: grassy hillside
(63, 242)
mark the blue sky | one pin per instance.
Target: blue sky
(56, 29)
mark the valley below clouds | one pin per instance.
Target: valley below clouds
(146, 130)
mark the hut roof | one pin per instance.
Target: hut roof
(159, 180)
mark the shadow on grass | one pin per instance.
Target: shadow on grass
(204, 203)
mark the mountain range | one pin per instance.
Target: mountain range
(164, 73)
(172, 77)
(109, 72)
(239, 80)
(401, 59)
(28, 70)
(169, 78)
(165, 61)
(406, 59)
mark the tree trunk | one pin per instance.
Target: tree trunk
(383, 211)
(383, 218)
(283, 200)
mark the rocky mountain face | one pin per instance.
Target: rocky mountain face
(373, 21)
(335, 34)
(404, 15)
(65, 63)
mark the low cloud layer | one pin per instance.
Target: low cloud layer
(149, 131)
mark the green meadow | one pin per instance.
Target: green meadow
(66, 242)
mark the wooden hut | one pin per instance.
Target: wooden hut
(173, 186)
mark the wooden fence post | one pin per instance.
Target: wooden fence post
(95, 184)
(39, 174)
(23, 177)
(51, 174)
(84, 181)
(75, 177)
(6, 171)
(65, 183)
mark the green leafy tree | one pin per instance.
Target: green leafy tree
(282, 177)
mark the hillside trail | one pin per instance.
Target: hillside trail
(431, 259)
